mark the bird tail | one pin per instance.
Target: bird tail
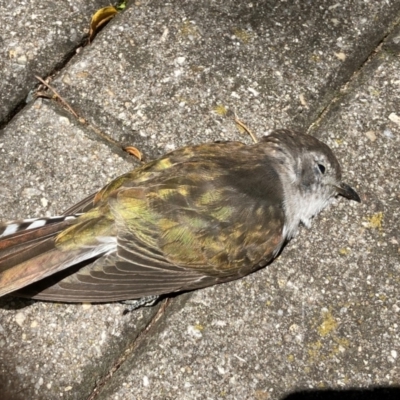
(28, 251)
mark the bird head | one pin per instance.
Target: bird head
(310, 173)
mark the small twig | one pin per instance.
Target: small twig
(243, 126)
(65, 104)
(130, 150)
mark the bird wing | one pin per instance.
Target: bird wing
(178, 226)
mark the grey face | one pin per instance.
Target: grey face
(310, 175)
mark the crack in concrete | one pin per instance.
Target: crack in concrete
(56, 70)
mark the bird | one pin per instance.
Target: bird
(198, 216)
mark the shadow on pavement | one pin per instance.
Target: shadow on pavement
(374, 393)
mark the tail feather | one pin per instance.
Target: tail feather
(15, 228)
(24, 234)
(31, 270)
(28, 253)
(12, 256)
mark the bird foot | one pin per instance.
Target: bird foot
(138, 303)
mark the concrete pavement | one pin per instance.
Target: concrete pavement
(325, 314)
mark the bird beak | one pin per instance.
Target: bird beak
(348, 192)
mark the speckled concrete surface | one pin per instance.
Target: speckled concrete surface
(53, 161)
(161, 68)
(36, 37)
(325, 314)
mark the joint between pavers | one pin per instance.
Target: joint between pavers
(134, 346)
(344, 89)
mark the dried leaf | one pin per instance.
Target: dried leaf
(99, 18)
(134, 152)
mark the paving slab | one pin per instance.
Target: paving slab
(325, 315)
(37, 38)
(157, 77)
(160, 70)
(50, 350)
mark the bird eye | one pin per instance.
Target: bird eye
(321, 167)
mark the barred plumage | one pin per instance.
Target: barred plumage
(198, 216)
(12, 227)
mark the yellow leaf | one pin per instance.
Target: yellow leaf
(220, 110)
(242, 35)
(328, 325)
(188, 29)
(99, 18)
(121, 6)
(344, 251)
(375, 221)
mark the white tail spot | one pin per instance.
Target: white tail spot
(37, 224)
(10, 229)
